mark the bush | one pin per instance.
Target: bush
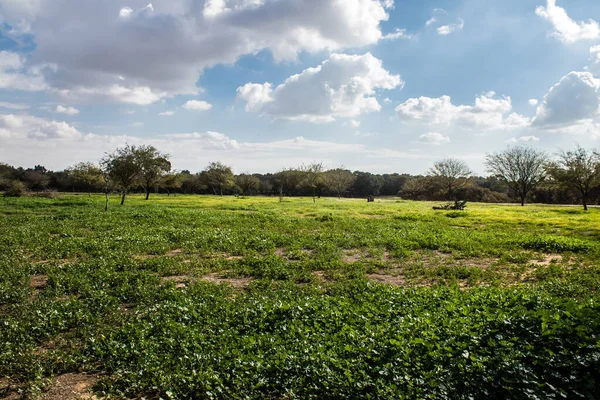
(15, 189)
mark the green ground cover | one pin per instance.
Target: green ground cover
(208, 297)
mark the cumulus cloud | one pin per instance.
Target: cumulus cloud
(106, 50)
(66, 110)
(166, 113)
(523, 139)
(14, 75)
(533, 102)
(29, 127)
(573, 99)
(594, 67)
(490, 112)
(566, 29)
(433, 138)
(397, 34)
(354, 123)
(342, 86)
(197, 105)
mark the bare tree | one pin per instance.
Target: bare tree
(522, 168)
(339, 180)
(452, 173)
(154, 165)
(578, 170)
(123, 168)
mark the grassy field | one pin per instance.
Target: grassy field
(206, 297)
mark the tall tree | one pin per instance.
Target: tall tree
(173, 181)
(287, 181)
(578, 170)
(247, 183)
(339, 180)
(86, 174)
(123, 168)
(153, 166)
(218, 176)
(522, 168)
(452, 173)
(313, 177)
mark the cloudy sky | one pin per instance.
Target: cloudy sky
(376, 85)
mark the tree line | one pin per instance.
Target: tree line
(516, 174)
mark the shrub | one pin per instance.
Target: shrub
(15, 189)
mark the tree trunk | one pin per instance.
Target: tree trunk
(147, 193)
(585, 206)
(522, 201)
(123, 194)
(106, 202)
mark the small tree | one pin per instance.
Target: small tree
(578, 170)
(247, 183)
(452, 173)
(153, 166)
(87, 174)
(287, 181)
(173, 181)
(522, 168)
(15, 189)
(123, 168)
(339, 180)
(218, 176)
(313, 177)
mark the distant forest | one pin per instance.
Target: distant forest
(565, 178)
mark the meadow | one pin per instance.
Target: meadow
(201, 297)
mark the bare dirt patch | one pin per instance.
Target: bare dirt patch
(547, 259)
(38, 282)
(218, 278)
(395, 280)
(71, 387)
(174, 253)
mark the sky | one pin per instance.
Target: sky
(375, 85)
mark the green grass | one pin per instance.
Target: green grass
(208, 297)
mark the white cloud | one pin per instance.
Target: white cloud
(523, 139)
(448, 29)
(434, 138)
(23, 127)
(489, 112)
(566, 29)
(66, 110)
(15, 76)
(354, 123)
(208, 140)
(14, 106)
(533, 102)
(166, 113)
(342, 86)
(137, 124)
(197, 105)
(573, 99)
(594, 67)
(397, 34)
(111, 52)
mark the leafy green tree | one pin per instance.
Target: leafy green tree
(173, 181)
(218, 176)
(339, 180)
(153, 166)
(247, 183)
(522, 168)
(313, 178)
(578, 170)
(86, 174)
(287, 181)
(452, 173)
(123, 168)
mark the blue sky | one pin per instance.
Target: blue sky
(376, 85)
